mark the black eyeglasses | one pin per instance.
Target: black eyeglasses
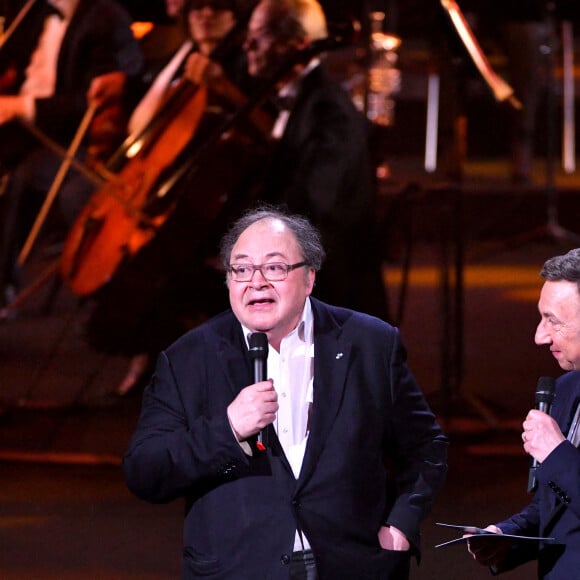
(272, 271)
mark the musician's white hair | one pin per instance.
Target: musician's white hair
(300, 19)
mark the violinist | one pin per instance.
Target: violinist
(54, 53)
(321, 163)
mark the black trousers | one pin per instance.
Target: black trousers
(303, 566)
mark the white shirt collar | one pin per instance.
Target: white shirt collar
(291, 88)
(303, 328)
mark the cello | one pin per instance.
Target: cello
(119, 221)
(126, 213)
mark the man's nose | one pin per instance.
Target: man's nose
(258, 278)
(248, 43)
(541, 336)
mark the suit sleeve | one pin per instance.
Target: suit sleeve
(175, 452)
(419, 449)
(558, 486)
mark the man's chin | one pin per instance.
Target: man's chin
(259, 323)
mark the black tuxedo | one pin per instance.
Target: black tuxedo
(321, 168)
(375, 454)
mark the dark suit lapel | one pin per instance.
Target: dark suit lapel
(233, 352)
(306, 95)
(331, 362)
(567, 405)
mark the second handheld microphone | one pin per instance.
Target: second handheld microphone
(544, 400)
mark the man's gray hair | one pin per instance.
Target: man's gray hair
(563, 268)
(307, 236)
(290, 20)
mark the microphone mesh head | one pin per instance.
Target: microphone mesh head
(258, 345)
(545, 390)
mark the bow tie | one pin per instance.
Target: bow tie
(284, 103)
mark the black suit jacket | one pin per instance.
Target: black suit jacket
(321, 165)
(375, 454)
(321, 168)
(555, 509)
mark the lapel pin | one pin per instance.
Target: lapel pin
(339, 355)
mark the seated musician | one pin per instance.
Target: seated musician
(321, 165)
(58, 47)
(135, 321)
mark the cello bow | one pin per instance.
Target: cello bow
(57, 183)
(16, 22)
(104, 236)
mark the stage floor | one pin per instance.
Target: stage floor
(62, 436)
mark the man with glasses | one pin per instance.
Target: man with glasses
(323, 470)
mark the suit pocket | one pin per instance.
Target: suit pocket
(196, 564)
(395, 564)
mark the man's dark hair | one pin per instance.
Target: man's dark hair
(565, 267)
(232, 5)
(307, 236)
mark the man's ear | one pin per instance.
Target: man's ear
(311, 280)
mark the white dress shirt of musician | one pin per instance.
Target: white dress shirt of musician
(208, 22)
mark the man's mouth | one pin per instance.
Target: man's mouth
(260, 301)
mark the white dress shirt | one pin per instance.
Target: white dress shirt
(155, 96)
(290, 90)
(40, 75)
(292, 372)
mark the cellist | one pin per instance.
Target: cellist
(54, 53)
(149, 301)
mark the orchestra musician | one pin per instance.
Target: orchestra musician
(321, 164)
(52, 56)
(180, 287)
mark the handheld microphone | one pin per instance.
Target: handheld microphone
(544, 400)
(259, 354)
